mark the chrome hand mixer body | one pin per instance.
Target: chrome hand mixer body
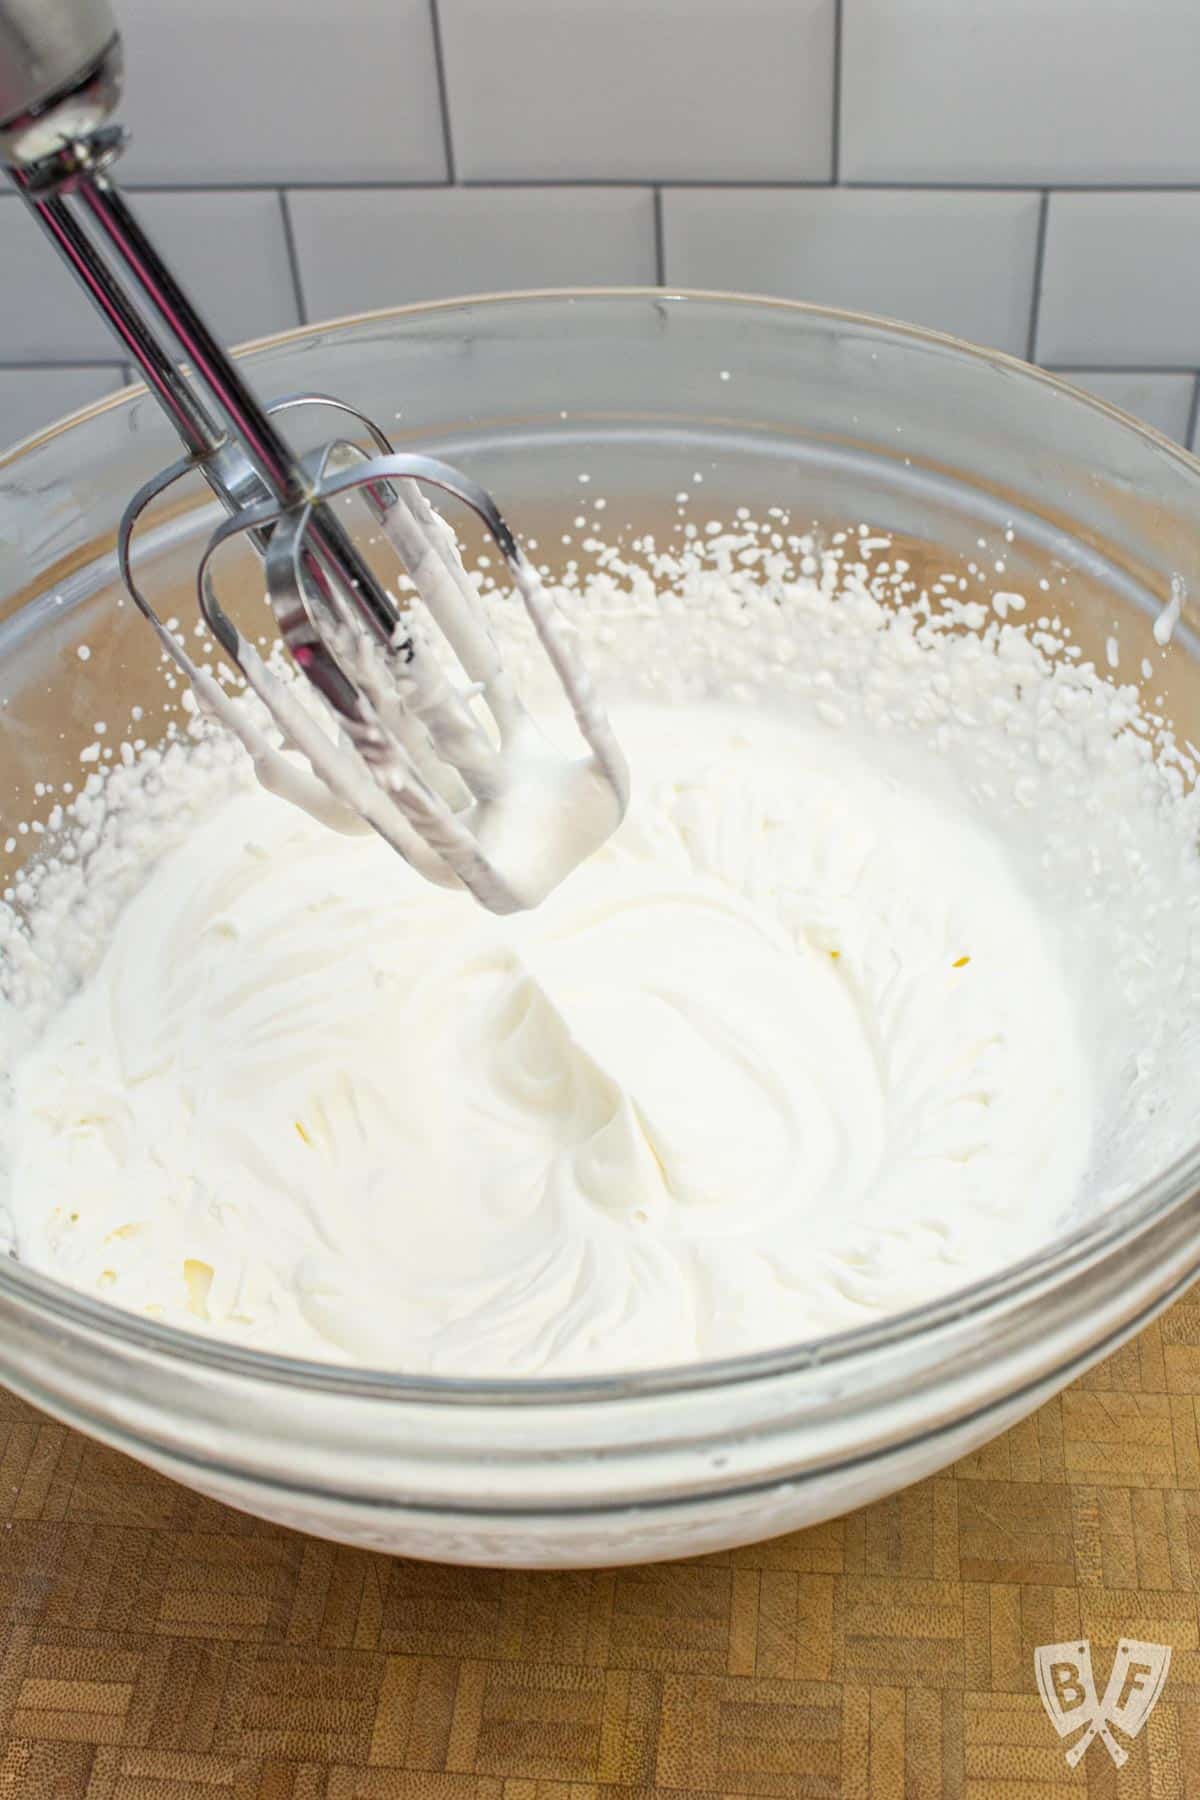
(479, 800)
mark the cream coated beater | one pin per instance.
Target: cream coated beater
(434, 748)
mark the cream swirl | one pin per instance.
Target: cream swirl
(789, 1051)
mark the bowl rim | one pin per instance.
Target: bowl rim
(499, 298)
(1168, 1191)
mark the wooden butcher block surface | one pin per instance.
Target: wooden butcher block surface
(157, 1646)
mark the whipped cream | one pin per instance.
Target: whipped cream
(890, 974)
(790, 1049)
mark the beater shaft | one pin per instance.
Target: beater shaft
(415, 760)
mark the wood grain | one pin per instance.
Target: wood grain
(158, 1647)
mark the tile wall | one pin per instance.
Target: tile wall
(1023, 172)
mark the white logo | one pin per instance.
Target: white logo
(1064, 1678)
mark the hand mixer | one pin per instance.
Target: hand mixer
(433, 746)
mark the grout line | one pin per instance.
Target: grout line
(543, 184)
(370, 185)
(640, 181)
(1098, 188)
(1036, 187)
(660, 251)
(622, 181)
(1057, 367)
(44, 365)
(293, 260)
(282, 187)
(1039, 263)
(835, 146)
(439, 63)
(1193, 409)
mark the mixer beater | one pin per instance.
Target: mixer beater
(434, 748)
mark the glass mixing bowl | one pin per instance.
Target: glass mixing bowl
(841, 419)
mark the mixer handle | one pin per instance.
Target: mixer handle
(60, 73)
(60, 79)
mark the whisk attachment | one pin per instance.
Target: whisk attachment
(437, 766)
(434, 749)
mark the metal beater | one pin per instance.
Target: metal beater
(448, 785)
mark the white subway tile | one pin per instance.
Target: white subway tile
(228, 249)
(697, 90)
(44, 315)
(1164, 401)
(961, 263)
(230, 252)
(1020, 91)
(1121, 280)
(281, 90)
(367, 247)
(31, 399)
